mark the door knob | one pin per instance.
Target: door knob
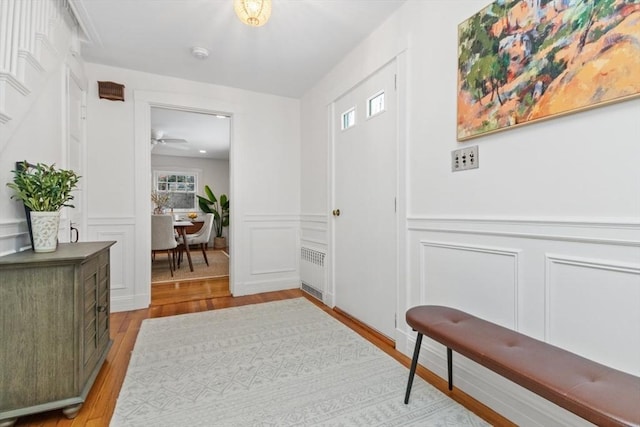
(336, 212)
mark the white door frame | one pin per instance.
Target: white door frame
(70, 74)
(401, 179)
(143, 101)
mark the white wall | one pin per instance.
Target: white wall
(264, 186)
(32, 103)
(38, 139)
(212, 172)
(544, 237)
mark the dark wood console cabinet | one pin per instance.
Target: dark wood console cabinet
(54, 328)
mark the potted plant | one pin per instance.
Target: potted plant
(44, 190)
(161, 201)
(220, 211)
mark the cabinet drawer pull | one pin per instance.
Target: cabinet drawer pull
(102, 308)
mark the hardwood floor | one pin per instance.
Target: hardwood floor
(171, 293)
(100, 403)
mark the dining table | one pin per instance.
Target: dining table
(181, 227)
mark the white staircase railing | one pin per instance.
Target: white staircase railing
(34, 40)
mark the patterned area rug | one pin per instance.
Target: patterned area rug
(218, 267)
(283, 363)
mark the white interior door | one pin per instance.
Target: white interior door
(365, 176)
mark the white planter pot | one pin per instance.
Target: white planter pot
(44, 227)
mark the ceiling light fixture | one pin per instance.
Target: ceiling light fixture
(199, 52)
(254, 13)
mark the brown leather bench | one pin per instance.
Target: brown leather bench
(597, 393)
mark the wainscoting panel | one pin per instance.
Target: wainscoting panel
(14, 236)
(119, 257)
(314, 230)
(126, 294)
(579, 319)
(476, 279)
(272, 248)
(572, 283)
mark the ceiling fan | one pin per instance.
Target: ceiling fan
(157, 137)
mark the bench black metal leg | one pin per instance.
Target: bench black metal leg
(414, 365)
(450, 367)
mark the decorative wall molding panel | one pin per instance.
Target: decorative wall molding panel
(482, 280)
(573, 283)
(265, 217)
(125, 291)
(314, 228)
(592, 309)
(532, 221)
(271, 254)
(273, 250)
(622, 231)
(14, 236)
(120, 253)
(317, 218)
(110, 221)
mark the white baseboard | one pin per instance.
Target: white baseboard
(129, 302)
(256, 287)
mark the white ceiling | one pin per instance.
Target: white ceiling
(301, 42)
(201, 131)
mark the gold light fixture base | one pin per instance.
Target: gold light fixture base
(254, 13)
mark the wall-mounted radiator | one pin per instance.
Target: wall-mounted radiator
(312, 271)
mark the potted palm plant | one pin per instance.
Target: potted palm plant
(220, 211)
(44, 190)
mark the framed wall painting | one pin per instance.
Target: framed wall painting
(522, 61)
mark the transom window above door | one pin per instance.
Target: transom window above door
(375, 104)
(179, 186)
(349, 118)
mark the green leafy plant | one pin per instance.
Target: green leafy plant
(43, 188)
(219, 209)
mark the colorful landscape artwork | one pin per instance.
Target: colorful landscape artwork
(527, 60)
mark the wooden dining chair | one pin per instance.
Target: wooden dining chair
(163, 237)
(201, 237)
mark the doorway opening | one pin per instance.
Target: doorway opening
(144, 102)
(190, 153)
